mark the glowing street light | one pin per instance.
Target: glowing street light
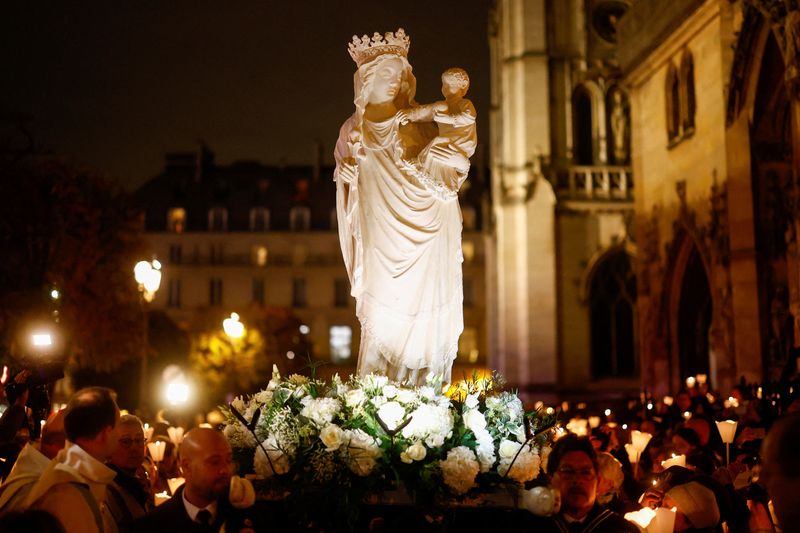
(41, 340)
(148, 276)
(177, 393)
(233, 327)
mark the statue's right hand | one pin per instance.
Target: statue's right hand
(347, 172)
(403, 117)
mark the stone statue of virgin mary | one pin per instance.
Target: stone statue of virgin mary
(399, 224)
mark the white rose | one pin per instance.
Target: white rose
(354, 398)
(508, 449)
(332, 437)
(471, 401)
(474, 420)
(242, 494)
(417, 451)
(541, 501)
(390, 391)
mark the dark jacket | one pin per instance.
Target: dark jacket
(598, 520)
(171, 517)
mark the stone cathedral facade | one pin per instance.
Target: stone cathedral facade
(646, 158)
(562, 294)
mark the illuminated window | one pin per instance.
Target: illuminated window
(260, 255)
(176, 219)
(468, 346)
(300, 218)
(218, 219)
(341, 342)
(259, 219)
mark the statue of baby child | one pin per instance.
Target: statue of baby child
(447, 155)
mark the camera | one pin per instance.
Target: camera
(41, 378)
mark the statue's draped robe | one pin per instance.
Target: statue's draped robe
(400, 232)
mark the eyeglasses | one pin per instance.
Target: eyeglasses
(127, 443)
(585, 474)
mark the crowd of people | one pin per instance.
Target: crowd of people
(89, 471)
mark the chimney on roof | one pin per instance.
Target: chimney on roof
(317, 158)
(204, 159)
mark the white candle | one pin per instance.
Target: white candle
(679, 460)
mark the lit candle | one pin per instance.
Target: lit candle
(701, 379)
(687, 415)
(642, 517)
(157, 450)
(594, 421)
(668, 400)
(690, 381)
(664, 521)
(161, 497)
(675, 460)
(607, 412)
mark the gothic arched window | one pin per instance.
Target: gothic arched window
(582, 127)
(687, 92)
(612, 303)
(673, 100)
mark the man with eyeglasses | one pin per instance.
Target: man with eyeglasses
(572, 466)
(129, 494)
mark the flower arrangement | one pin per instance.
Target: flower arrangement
(302, 436)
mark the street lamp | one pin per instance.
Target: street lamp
(148, 276)
(233, 327)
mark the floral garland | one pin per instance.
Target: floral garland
(303, 436)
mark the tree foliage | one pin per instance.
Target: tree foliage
(69, 228)
(240, 366)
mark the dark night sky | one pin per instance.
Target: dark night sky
(116, 84)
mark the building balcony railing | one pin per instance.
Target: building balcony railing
(594, 183)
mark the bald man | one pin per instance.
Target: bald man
(31, 464)
(202, 504)
(781, 470)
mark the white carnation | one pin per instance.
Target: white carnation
(525, 468)
(390, 391)
(278, 462)
(406, 396)
(321, 411)
(431, 424)
(484, 449)
(459, 469)
(362, 451)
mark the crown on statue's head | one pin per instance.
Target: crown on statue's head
(365, 49)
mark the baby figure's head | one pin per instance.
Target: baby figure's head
(455, 82)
